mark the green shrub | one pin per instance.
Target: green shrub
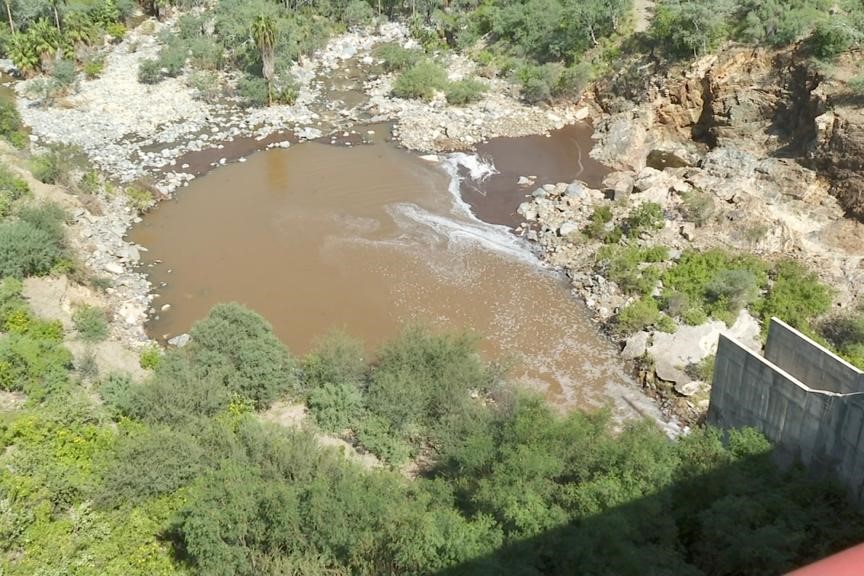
(335, 406)
(64, 73)
(856, 84)
(114, 390)
(205, 54)
(422, 383)
(253, 91)
(694, 316)
(87, 366)
(465, 92)
(716, 281)
(645, 217)
(420, 81)
(573, 81)
(336, 359)
(639, 315)
(27, 250)
(58, 164)
(150, 463)
(395, 58)
(12, 189)
(172, 59)
(376, 436)
(90, 323)
(35, 366)
(11, 127)
(732, 290)
(704, 369)
(632, 267)
(795, 296)
(358, 13)
(140, 197)
(93, 68)
(832, 36)
(149, 72)
(150, 357)
(698, 207)
(240, 345)
(599, 227)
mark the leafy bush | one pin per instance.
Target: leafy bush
(90, 323)
(600, 228)
(11, 127)
(140, 197)
(32, 364)
(358, 13)
(573, 80)
(421, 384)
(149, 72)
(640, 315)
(717, 282)
(796, 296)
(733, 290)
(150, 357)
(172, 59)
(698, 207)
(93, 68)
(64, 73)
(240, 346)
(253, 91)
(832, 36)
(154, 462)
(31, 245)
(465, 92)
(335, 406)
(632, 268)
(420, 81)
(337, 359)
(647, 216)
(58, 164)
(396, 58)
(12, 189)
(377, 436)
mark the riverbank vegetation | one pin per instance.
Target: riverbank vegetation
(178, 474)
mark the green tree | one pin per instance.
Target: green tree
(264, 37)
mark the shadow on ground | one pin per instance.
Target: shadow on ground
(709, 524)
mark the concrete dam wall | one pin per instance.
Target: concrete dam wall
(804, 398)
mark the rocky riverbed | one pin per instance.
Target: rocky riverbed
(708, 131)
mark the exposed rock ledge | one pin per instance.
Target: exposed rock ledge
(716, 128)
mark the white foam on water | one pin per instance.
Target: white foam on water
(479, 169)
(466, 232)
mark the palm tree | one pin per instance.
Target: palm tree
(55, 5)
(264, 36)
(9, 15)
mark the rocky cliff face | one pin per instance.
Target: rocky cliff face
(766, 103)
(764, 144)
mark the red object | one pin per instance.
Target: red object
(847, 563)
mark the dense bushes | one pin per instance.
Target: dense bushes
(421, 80)
(691, 27)
(12, 189)
(11, 127)
(188, 479)
(465, 92)
(33, 243)
(91, 324)
(44, 29)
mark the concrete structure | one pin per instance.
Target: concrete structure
(805, 399)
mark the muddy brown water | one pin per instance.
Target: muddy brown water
(560, 156)
(366, 239)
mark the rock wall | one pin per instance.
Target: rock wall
(822, 430)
